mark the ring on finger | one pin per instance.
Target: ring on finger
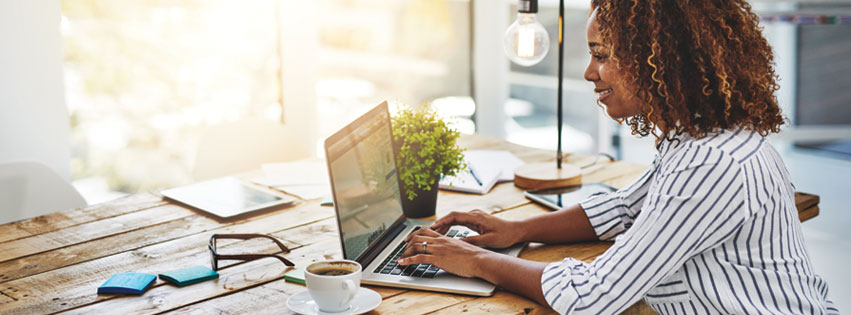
(425, 245)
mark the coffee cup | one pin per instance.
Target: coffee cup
(333, 283)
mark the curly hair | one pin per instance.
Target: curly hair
(698, 66)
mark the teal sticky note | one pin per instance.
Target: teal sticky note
(296, 275)
(187, 276)
(128, 283)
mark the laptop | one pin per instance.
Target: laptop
(364, 182)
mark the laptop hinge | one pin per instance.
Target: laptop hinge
(369, 255)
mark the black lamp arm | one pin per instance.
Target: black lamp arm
(560, 76)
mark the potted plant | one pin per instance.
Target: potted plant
(425, 149)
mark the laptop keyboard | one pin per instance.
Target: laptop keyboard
(390, 267)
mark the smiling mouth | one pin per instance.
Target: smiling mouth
(603, 93)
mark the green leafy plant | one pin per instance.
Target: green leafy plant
(427, 148)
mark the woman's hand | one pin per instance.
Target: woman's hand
(467, 260)
(452, 255)
(493, 232)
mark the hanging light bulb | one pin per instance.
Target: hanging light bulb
(526, 42)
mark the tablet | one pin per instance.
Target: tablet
(558, 198)
(226, 197)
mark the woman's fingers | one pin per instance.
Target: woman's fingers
(425, 232)
(471, 220)
(418, 259)
(415, 245)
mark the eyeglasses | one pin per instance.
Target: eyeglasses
(215, 256)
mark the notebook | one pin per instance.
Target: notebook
(485, 169)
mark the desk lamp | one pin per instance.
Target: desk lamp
(526, 43)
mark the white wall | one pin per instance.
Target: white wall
(33, 116)
(490, 66)
(299, 48)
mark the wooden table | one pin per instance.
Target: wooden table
(54, 263)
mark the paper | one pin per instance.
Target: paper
(504, 161)
(307, 192)
(465, 181)
(489, 167)
(307, 179)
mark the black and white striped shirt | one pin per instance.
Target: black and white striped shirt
(710, 228)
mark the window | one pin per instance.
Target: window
(145, 78)
(412, 52)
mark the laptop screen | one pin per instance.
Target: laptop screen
(363, 177)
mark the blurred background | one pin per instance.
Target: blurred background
(143, 80)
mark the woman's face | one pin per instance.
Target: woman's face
(619, 99)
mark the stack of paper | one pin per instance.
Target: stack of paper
(486, 168)
(307, 179)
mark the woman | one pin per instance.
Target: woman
(712, 226)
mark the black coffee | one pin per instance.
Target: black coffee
(332, 272)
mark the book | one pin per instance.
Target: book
(485, 169)
(128, 283)
(296, 275)
(191, 275)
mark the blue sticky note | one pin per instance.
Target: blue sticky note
(187, 276)
(128, 283)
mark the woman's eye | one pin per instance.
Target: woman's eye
(598, 56)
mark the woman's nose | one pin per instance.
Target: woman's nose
(591, 73)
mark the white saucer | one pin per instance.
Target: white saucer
(365, 300)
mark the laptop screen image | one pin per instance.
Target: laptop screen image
(363, 176)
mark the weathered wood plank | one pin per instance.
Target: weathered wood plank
(113, 244)
(419, 302)
(805, 200)
(91, 230)
(324, 229)
(66, 256)
(586, 251)
(808, 213)
(231, 279)
(60, 220)
(245, 278)
(329, 227)
(502, 302)
(5, 299)
(639, 308)
(75, 285)
(522, 212)
(269, 298)
(502, 196)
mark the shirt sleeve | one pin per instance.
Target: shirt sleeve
(694, 206)
(613, 213)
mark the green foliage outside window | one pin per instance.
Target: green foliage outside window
(427, 149)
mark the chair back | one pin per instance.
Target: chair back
(30, 189)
